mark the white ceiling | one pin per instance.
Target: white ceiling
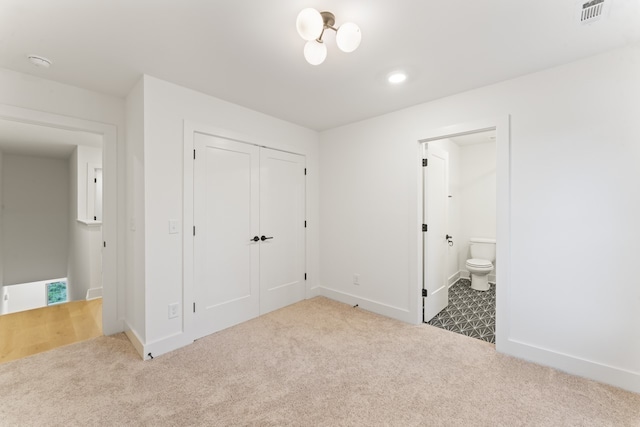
(34, 140)
(248, 51)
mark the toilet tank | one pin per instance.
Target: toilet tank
(483, 248)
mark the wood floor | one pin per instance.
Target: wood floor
(34, 331)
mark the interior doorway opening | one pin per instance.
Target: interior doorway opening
(60, 139)
(459, 214)
(499, 125)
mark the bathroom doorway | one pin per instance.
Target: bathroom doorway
(460, 207)
(469, 174)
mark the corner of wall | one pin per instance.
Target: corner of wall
(134, 339)
(135, 306)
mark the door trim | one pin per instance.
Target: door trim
(501, 125)
(112, 294)
(188, 290)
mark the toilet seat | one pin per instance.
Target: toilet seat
(480, 263)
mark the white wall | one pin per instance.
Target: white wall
(166, 107)
(477, 194)
(41, 95)
(35, 220)
(85, 239)
(573, 206)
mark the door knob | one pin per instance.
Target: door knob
(255, 239)
(263, 238)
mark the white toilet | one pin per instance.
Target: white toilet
(483, 253)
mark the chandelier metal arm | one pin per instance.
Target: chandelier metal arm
(319, 39)
(326, 27)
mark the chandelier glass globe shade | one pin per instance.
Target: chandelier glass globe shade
(348, 37)
(315, 52)
(309, 24)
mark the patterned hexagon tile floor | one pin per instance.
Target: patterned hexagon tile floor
(470, 312)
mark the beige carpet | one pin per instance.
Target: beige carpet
(318, 362)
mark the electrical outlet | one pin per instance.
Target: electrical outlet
(356, 279)
(174, 225)
(174, 309)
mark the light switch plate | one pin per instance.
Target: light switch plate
(174, 310)
(174, 225)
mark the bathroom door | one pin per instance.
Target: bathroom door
(435, 191)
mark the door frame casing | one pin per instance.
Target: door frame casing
(188, 256)
(501, 125)
(112, 294)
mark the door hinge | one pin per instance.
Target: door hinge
(305, 224)
(104, 244)
(424, 162)
(194, 230)
(424, 227)
(95, 180)
(194, 307)
(95, 218)
(194, 154)
(305, 276)
(424, 292)
(305, 171)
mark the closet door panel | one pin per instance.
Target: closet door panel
(282, 223)
(226, 210)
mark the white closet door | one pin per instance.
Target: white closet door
(282, 224)
(226, 210)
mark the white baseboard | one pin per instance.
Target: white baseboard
(464, 274)
(313, 292)
(398, 313)
(166, 344)
(158, 347)
(453, 279)
(94, 293)
(617, 377)
(135, 339)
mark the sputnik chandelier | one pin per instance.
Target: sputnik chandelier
(311, 26)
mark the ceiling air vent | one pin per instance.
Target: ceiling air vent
(591, 11)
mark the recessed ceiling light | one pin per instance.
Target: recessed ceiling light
(397, 77)
(39, 61)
